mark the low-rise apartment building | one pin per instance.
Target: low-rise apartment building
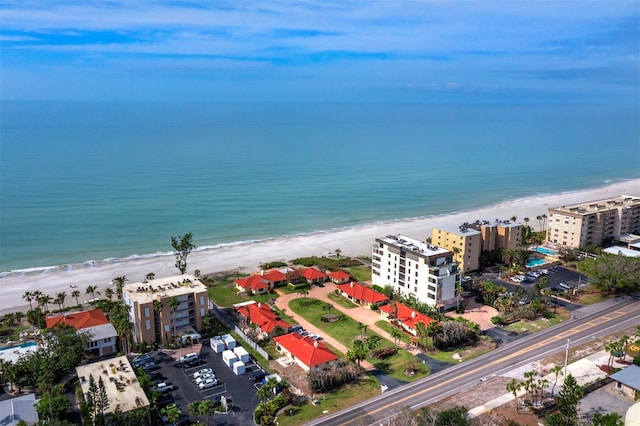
(415, 269)
(103, 336)
(467, 241)
(152, 315)
(593, 223)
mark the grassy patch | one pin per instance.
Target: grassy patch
(290, 289)
(225, 294)
(282, 313)
(591, 295)
(389, 328)
(334, 401)
(342, 301)
(527, 326)
(360, 273)
(347, 329)
(483, 345)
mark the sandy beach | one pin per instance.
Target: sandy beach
(246, 257)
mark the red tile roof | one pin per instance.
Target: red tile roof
(312, 274)
(274, 276)
(261, 315)
(310, 352)
(254, 282)
(362, 292)
(79, 320)
(406, 315)
(339, 275)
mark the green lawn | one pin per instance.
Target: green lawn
(346, 330)
(334, 401)
(389, 328)
(225, 294)
(289, 289)
(527, 326)
(466, 352)
(360, 273)
(342, 301)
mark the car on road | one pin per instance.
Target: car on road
(202, 372)
(204, 378)
(208, 383)
(164, 387)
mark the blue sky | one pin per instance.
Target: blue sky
(387, 50)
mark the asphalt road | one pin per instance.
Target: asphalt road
(610, 319)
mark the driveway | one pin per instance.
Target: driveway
(477, 312)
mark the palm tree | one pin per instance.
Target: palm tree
(62, 296)
(556, 370)
(58, 302)
(92, 290)
(194, 409)
(196, 274)
(28, 296)
(396, 335)
(44, 301)
(514, 387)
(108, 293)
(358, 352)
(303, 292)
(173, 304)
(150, 276)
(76, 294)
(207, 408)
(338, 253)
(120, 284)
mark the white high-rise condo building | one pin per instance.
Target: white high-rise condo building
(416, 269)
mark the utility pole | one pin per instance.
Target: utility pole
(566, 358)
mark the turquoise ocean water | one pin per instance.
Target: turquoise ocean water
(94, 181)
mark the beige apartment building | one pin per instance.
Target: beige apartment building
(152, 315)
(593, 223)
(468, 240)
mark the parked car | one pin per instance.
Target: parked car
(209, 383)
(296, 328)
(150, 366)
(193, 362)
(202, 372)
(139, 361)
(189, 357)
(164, 387)
(204, 378)
(466, 279)
(157, 376)
(257, 377)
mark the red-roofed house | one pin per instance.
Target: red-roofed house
(94, 322)
(261, 283)
(362, 294)
(305, 351)
(262, 316)
(406, 316)
(313, 276)
(340, 277)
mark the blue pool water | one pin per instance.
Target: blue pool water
(535, 262)
(546, 251)
(22, 345)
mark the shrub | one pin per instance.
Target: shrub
(497, 320)
(274, 264)
(332, 376)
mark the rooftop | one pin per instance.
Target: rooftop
(406, 315)
(310, 352)
(340, 275)
(262, 315)
(120, 382)
(254, 282)
(79, 320)
(362, 292)
(623, 201)
(411, 244)
(629, 376)
(312, 274)
(164, 287)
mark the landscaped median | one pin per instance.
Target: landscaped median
(346, 330)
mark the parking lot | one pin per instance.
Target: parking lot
(241, 390)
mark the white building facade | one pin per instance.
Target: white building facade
(416, 269)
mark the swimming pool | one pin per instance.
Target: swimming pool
(22, 345)
(546, 251)
(535, 262)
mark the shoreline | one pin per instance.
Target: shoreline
(246, 256)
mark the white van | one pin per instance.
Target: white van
(189, 357)
(565, 286)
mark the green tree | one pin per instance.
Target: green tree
(396, 335)
(120, 282)
(513, 386)
(182, 246)
(28, 296)
(358, 352)
(92, 290)
(612, 273)
(76, 294)
(608, 419)
(373, 342)
(458, 416)
(173, 304)
(568, 400)
(108, 293)
(207, 408)
(556, 370)
(194, 409)
(53, 404)
(150, 276)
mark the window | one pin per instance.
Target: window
(202, 312)
(146, 312)
(202, 300)
(147, 324)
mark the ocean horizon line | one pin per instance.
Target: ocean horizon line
(210, 247)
